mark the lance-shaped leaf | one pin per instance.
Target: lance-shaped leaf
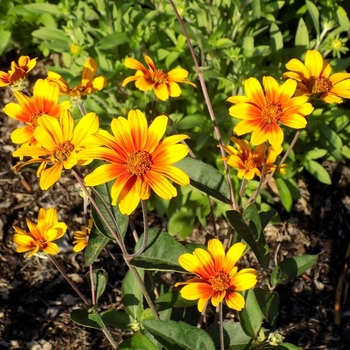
(138, 341)
(161, 253)
(86, 318)
(206, 178)
(249, 227)
(97, 241)
(251, 316)
(234, 336)
(100, 278)
(291, 268)
(132, 294)
(179, 335)
(269, 304)
(122, 220)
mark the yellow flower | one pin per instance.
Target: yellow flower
(139, 161)
(262, 113)
(15, 78)
(250, 163)
(218, 278)
(59, 143)
(315, 79)
(81, 237)
(40, 235)
(88, 85)
(29, 110)
(164, 84)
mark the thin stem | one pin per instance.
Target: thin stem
(145, 231)
(221, 324)
(72, 284)
(154, 106)
(93, 299)
(243, 186)
(262, 171)
(82, 108)
(208, 103)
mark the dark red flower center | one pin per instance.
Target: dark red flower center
(319, 85)
(63, 151)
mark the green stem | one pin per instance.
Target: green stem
(208, 103)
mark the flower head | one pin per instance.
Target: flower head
(30, 109)
(218, 278)
(164, 84)
(58, 145)
(250, 163)
(40, 235)
(89, 83)
(262, 113)
(138, 160)
(315, 79)
(81, 237)
(15, 78)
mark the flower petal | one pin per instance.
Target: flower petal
(233, 255)
(235, 301)
(216, 249)
(244, 279)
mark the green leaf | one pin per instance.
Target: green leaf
(43, 8)
(285, 195)
(173, 299)
(161, 253)
(83, 318)
(291, 268)
(100, 277)
(266, 216)
(122, 220)
(269, 304)
(51, 34)
(343, 19)
(206, 178)
(318, 171)
(178, 335)
(5, 36)
(251, 233)
(251, 316)
(181, 223)
(114, 318)
(138, 342)
(302, 35)
(132, 295)
(287, 346)
(315, 15)
(276, 38)
(112, 40)
(316, 153)
(97, 241)
(234, 336)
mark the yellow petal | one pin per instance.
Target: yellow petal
(99, 83)
(89, 71)
(139, 128)
(50, 176)
(160, 185)
(86, 126)
(295, 121)
(155, 132)
(177, 74)
(129, 197)
(254, 92)
(22, 135)
(299, 68)
(130, 79)
(174, 89)
(271, 89)
(238, 99)
(244, 279)
(233, 255)
(217, 297)
(134, 64)
(235, 301)
(337, 77)
(161, 91)
(216, 249)
(175, 174)
(314, 62)
(104, 173)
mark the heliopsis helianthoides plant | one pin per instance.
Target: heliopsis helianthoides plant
(89, 83)
(16, 77)
(40, 237)
(164, 84)
(263, 112)
(138, 160)
(58, 144)
(217, 278)
(29, 110)
(81, 237)
(250, 162)
(315, 78)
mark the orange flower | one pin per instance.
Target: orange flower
(15, 78)
(250, 163)
(59, 144)
(40, 235)
(218, 278)
(30, 109)
(88, 85)
(262, 113)
(315, 79)
(164, 84)
(81, 238)
(138, 160)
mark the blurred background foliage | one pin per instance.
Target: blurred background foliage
(233, 39)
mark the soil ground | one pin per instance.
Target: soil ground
(35, 301)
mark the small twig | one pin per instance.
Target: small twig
(208, 103)
(72, 284)
(221, 324)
